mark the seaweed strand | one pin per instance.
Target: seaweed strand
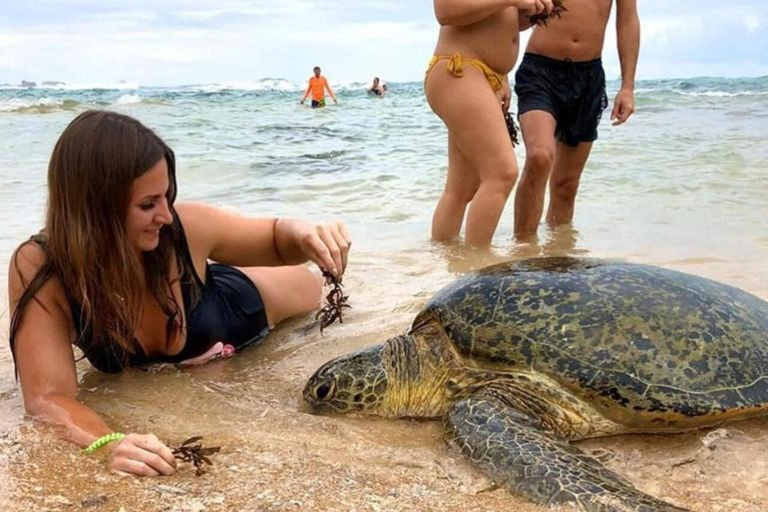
(336, 301)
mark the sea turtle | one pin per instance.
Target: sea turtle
(520, 358)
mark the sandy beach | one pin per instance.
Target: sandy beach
(681, 186)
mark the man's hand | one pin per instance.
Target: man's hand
(623, 106)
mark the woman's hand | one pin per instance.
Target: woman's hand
(142, 455)
(504, 95)
(327, 245)
(219, 350)
(531, 7)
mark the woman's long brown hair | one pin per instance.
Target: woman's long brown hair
(90, 179)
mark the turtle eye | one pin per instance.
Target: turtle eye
(324, 390)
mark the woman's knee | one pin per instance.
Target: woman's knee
(287, 291)
(307, 289)
(462, 195)
(503, 181)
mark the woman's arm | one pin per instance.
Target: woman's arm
(48, 377)
(235, 239)
(466, 12)
(528, 8)
(44, 355)
(524, 20)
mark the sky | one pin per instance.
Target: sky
(174, 42)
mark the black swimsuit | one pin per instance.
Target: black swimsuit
(228, 308)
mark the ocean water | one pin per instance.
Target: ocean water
(681, 185)
(693, 155)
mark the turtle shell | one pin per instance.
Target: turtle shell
(625, 337)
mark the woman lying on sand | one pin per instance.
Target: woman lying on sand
(124, 274)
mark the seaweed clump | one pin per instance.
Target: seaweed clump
(511, 128)
(557, 11)
(192, 451)
(335, 301)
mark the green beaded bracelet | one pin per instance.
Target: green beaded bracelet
(103, 440)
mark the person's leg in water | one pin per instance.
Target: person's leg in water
(564, 183)
(461, 185)
(472, 113)
(538, 128)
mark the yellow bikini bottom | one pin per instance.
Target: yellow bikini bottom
(455, 67)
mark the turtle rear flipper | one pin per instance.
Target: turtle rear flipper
(513, 449)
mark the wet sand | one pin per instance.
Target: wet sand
(275, 457)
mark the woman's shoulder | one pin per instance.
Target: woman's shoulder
(199, 223)
(195, 216)
(27, 262)
(190, 208)
(28, 258)
(207, 228)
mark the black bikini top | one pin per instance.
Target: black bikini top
(107, 355)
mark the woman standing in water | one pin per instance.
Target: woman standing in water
(123, 273)
(466, 86)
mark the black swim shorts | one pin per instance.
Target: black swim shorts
(573, 92)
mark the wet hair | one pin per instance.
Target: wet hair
(90, 181)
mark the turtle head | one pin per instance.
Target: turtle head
(355, 382)
(392, 380)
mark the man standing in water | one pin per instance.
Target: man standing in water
(317, 86)
(560, 87)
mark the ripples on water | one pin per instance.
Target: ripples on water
(682, 185)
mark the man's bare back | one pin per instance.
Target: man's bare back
(578, 35)
(494, 40)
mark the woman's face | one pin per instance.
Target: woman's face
(148, 210)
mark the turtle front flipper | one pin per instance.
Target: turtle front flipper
(518, 454)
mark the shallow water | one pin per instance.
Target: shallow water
(682, 186)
